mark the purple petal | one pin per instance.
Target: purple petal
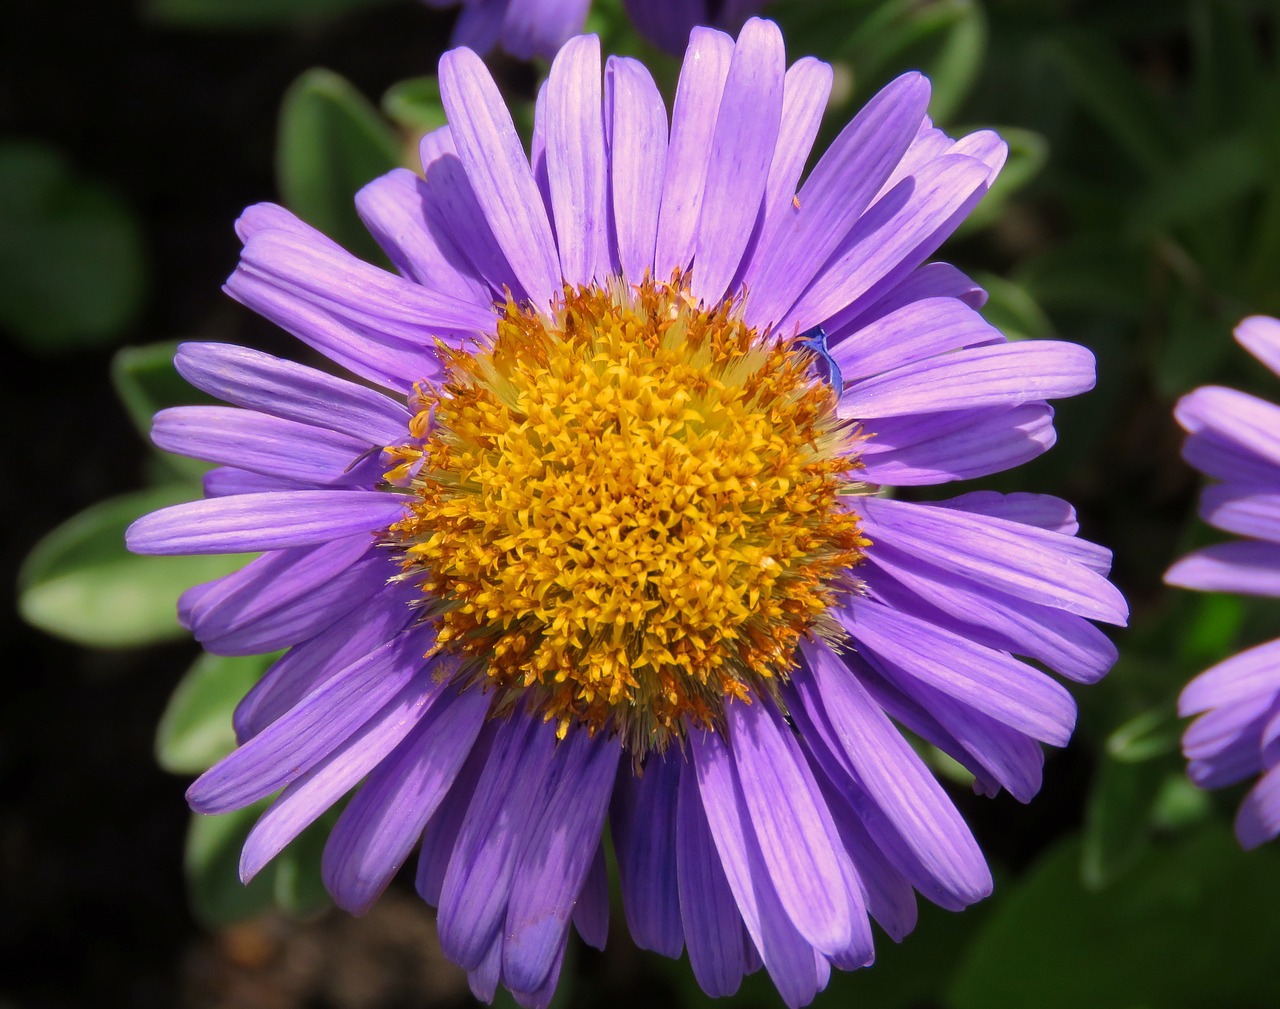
(483, 981)
(1043, 567)
(306, 666)
(227, 481)
(560, 842)
(1238, 508)
(1068, 644)
(1258, 820)
(398, 210)
(1225, 745)
(591, 910)
(1251, 673)
(788, 958)
(358, 348)
(1044, 511)
(538, 152)
(1250, 422)
(288, 596)
(667, 25)
(983, 678)
(454, 213)
(532, 28)
(742, 149)
(320, 787)
(791, 825)
(920, 330)
(270, 521)
(638, 154)
(693, 123)
(541, 997)
(321, 722)
(391, 308)
(1219, 456)
(440, 835)
(1249, 568)
(1004, 375)
(985, 145)
(895, 778)
(381, 825)
(834, 196)
(806, 90)
(258, 381)
(956, 445)
(258, 442)
(507, 799)
(576, 161)
(489, 149)
(897, 234)
(934, 280)
(999, 756)
(888, 894)
(643, 821)
(479, 25)
(712, 926)
(1260, 336)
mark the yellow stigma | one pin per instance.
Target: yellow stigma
(629, 512)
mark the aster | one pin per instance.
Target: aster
(601, 537)
(1232, 438)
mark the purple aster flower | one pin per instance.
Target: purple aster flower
(527, 28)
(605, 542)
(1234, 438)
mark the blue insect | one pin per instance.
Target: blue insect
(815, 341)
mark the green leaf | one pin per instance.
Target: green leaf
(1211, 177)
(195, 731)
(959, 59)
(332, 142)
(1193, 925)
(415, 104)
(213, 868)
(1213, 630)
(1151, 734)
(1117, 823)
(236, 14)
(1116, 98)
(1093, 273)
(72, 267)
(80, 582)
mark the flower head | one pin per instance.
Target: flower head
(611, 544)
(527, 28)
(1233, 438)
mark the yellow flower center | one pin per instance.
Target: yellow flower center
(629, 512)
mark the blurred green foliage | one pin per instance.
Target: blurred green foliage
(72, 261)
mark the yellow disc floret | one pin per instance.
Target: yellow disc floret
(630, 511)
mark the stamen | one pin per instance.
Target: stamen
(631, 511)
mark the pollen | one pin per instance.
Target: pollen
(629, 510)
